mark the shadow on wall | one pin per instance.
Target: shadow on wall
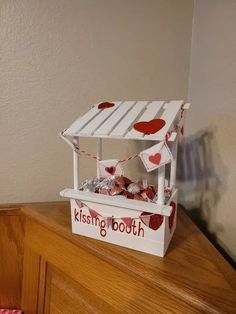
(199, 183)
(197, 173)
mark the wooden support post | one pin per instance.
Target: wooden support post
(161, 185)
(76, 165)
(173, 167)
(99, 154)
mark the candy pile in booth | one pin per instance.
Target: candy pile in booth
(123, 188)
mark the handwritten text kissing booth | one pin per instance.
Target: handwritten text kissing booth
(111, 207)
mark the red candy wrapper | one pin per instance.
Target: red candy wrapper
(123, 187)
(128, 194)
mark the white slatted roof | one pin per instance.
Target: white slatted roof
(118, 121)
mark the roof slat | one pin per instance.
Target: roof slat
(91, 127)
(150, 113)
(82, 121)
(171, 110)
(122, 128)
(114, 119)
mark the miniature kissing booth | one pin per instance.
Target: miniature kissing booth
(111, 207)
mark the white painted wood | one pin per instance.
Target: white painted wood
(161, 185)
(74, 129)
(76, 165)
(171, 110)
(172, 137)
(91, 127)
(122, 128)
(174, 150)
(117, 121)
(160, 209)
(150, 113)
(186, 106)
(143, 238)
(99, 154)
(174, 195)
(109, 124)
(168, 235)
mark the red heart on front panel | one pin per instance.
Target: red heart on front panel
(105, 105)
(155, 159)
(172, 215)
(111, 170)
(153, 221)
(149, 127)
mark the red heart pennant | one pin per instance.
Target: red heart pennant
(127, 221)
(105, 105)
(93, 213)
(172, 215)
(108, 221)
(155, 159)
(153, 221)
(79, 203)
(111, 170)
(149, 127)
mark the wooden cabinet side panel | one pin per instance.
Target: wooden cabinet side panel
(11, 257)
(42, 285)
(102, 284)
(65, 295)
(30, 285)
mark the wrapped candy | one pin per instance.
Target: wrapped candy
(106, 183)
(139, 198)
(104, 191)
(122, 187)
(133, 188)
(128, 194)
(116, 190)
(89, 185)
(122, 181)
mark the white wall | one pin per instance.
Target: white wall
(58, 57)
(210, 176)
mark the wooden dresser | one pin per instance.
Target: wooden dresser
(66, 273)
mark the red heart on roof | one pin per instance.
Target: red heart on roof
(149, 127)
(155, 159)
(105, 105)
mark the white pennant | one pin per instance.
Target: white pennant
(156, 156)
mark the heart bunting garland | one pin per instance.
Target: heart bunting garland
(127, 221)
(156, 156)
(93, 213)
(152, 221)
(110, 167)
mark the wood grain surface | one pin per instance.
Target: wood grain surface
(11, 256)
(192, 278)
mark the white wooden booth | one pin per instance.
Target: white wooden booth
(143, 226)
